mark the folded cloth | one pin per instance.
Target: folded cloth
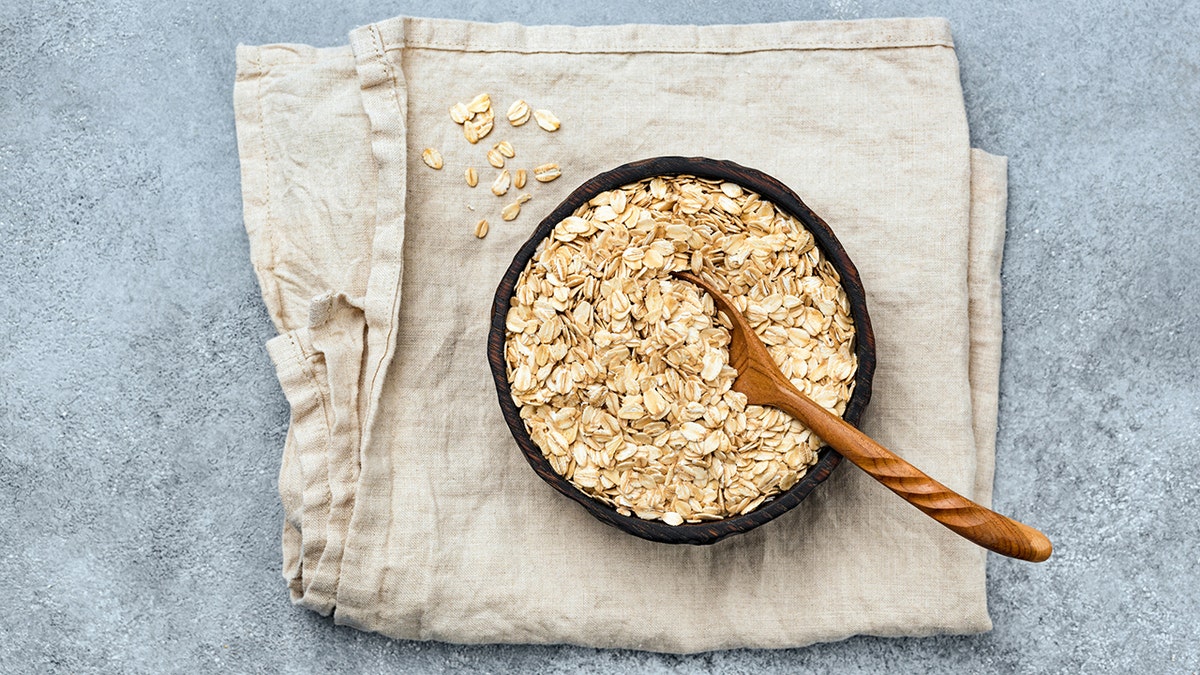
(409, 509)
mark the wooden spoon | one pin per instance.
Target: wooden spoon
(763, 384)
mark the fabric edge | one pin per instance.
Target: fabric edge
(945, 625)
(989, 180)
(254, 165)
(291, 497)
(457, 35)
(989, 200)
(308, 428)
(286, 53)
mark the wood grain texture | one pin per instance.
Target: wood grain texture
(760, 379)
(783, 198)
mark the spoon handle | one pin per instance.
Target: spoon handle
(970, 520)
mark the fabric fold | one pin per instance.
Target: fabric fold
(319, 367)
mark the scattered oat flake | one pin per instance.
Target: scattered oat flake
(460, 114)
(501, 184)
(546, 172)
(472, 176)
(505, 148)
(481, 228)
(511, 211)
(432, 158)
(480, 103)
(519, 179)
(478, 127)
(546, 120)
(495, 158)
(518, 113)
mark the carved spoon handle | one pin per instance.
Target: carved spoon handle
(970, 520)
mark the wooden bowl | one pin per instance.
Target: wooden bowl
(783, 198)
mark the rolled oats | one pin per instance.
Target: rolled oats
(519, 179)
(545, 173)
(481, 228)
(518, 113)
(472, 176)
(471, 132)
(511, 211)
(460, 114)
(621, 371)
(501, 184)
(480, 103)
(546, 120)
(478, 126)
(432, 158)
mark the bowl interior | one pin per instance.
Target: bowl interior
(769, 189)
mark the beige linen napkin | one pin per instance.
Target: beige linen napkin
(410, 510)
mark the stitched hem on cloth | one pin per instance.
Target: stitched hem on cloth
(443, 34)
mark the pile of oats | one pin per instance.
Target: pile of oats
(621, 371)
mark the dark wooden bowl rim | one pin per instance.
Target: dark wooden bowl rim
(770, 189)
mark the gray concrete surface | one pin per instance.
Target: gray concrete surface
(140, 422)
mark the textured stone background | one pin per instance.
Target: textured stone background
(140, 421)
